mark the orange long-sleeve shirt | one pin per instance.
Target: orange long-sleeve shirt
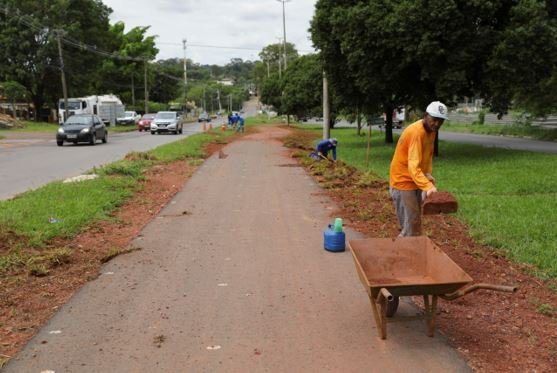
(413, 159)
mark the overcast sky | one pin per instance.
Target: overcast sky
(213, 27)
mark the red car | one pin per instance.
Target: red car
(144, 123)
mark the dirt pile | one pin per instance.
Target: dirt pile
(8, 122)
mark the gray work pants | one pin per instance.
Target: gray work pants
(408, 206)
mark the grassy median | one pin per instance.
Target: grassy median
(508, 198)
(30, 220)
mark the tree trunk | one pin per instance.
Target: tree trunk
(38, 103)
(359, 121)
(388, 108)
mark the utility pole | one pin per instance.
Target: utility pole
(185, 72)
(279, 56)
(218, 97)
(133, 90)
(268, 73)
(185, 65)
(204, 105)
(63, 74)
(326, 131)
(145, 83)
(284, 30)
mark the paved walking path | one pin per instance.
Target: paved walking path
(232, 277)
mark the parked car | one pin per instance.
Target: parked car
(203, 117)
(144, 123)
(130, 117)
(167, 121)
(82, 128)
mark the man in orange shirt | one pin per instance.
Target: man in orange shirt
(411, 168)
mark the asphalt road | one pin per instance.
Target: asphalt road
(30, 163)
(482, 140)
(501, 142)
(241, 283)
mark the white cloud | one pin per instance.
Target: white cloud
(206, 24)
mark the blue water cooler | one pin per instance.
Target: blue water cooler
(334, 238)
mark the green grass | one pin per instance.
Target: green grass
(64, 209)
(503, 130)
(43, 127)
(508, 198)
(29, 126)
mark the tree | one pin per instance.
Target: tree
(302, 87)
(29, 52)
(125, 75)
(410, 52)
(167, 83)
(13, 92)
(271, 92)
(273, 55)
(522, 68)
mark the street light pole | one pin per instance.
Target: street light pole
(284, 30)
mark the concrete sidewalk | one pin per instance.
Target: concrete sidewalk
(232, 277)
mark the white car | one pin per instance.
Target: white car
(167, 121)
(130, 117)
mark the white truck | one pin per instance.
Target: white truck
(107, 107)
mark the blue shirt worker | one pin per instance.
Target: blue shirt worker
(240, 121)
(323, 148)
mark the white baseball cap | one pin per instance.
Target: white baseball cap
(437, 109)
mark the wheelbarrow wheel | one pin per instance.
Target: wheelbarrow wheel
(392, 306)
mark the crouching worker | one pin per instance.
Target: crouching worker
(323, 148)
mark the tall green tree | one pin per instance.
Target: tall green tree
(271, 92)
(167, 83)
(29, 52)
(302, 87)
(13, 91)
(273, 53)
(409, 52)
(523, 66)
(125, 75)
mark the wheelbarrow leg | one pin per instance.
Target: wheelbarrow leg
(380, 321)
(430, 310)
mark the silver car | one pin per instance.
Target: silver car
(166, 121)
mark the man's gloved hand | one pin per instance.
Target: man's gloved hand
(431, 191)
(431, 178)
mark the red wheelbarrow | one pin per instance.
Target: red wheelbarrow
(409, 266)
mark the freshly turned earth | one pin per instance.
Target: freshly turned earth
(440, 203)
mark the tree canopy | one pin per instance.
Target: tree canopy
(301, 91)
(410, 52)
(29, 51)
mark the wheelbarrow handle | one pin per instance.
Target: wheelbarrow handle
(469, 289)
(384, 293)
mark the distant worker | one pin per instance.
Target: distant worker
(411, 168)
(240, 122)
(323, 148)
(230, 120)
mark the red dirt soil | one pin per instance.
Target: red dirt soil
(496, 332)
